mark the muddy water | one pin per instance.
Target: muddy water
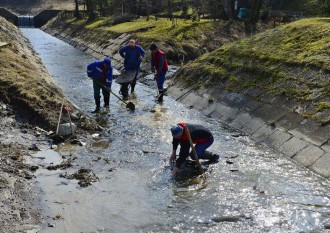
(260, 192)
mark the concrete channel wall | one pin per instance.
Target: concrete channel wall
(44, 16)
(274, 123)
(39, 20)
(273, 120)
(9, 16)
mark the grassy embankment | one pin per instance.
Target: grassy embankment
(186, 41)
(292, 60)
(24, 82)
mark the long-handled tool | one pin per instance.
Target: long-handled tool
(200, 170)
(129, 105)
(59, 119)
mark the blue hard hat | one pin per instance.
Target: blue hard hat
(107, 61)
(176, 130)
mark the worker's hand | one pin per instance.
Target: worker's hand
(156, 77)
(175, 171)
(172, 158)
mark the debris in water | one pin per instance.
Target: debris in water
(227, 218)
(82, 143)
(74, 141)
(103, 143)
(57, 217)
(84, 175)
(233, 170)
(65, 164)
(34, 168)
(51, 225)
(34, 147)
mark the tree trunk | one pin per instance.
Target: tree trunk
(169, 3)
(76, 12)
(90, 10)
(230, 9)
(251, 22)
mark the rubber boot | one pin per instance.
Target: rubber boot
(97, 103)
(124, 91)
(210, 156)
(132, 88)
(106, 101)
(160, 97)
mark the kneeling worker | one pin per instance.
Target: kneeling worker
(200, 136)
(101, 73)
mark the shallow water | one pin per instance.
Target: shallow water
(261, 191)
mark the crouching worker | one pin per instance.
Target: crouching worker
(200, 136)
(101, 73)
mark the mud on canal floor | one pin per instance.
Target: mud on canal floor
(251, 189)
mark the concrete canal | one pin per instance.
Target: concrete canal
(251, 189)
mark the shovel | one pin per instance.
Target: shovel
(200, 170)
(129, 105)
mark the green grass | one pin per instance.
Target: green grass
(161, 29)
(153, 30)
(186, 40)
(135, 25)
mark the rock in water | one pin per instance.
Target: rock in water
(189, 170)
(227, 218)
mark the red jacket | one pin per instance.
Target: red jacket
(203, 135)
(159, 62)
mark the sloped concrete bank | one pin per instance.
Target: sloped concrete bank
(272, 120)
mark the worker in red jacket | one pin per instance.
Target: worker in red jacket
(159, 66)
(200, 136)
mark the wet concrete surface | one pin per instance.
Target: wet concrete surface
(251, 189)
